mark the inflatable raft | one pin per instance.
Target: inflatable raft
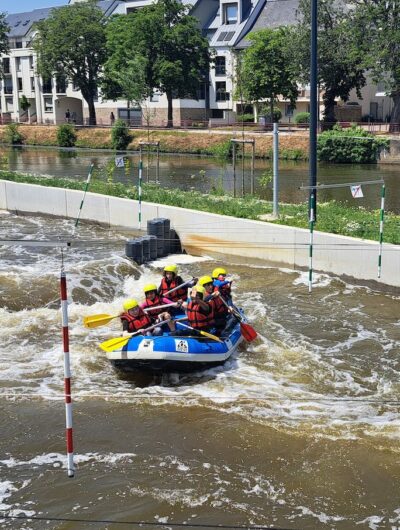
(176, 352)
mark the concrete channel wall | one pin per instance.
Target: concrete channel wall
(206, 233)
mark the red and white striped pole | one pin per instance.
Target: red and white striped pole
(67, 375)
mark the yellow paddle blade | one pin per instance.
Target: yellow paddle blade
(95, 321)
(114, 344)
(210, 336)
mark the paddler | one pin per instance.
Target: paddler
(221, 284)
(171, 280)
(154, 300)
(134, 318)
(200, 313)
(213, 297)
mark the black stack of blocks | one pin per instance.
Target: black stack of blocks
(160, 241)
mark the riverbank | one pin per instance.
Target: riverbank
(333, 217)
(291, 147)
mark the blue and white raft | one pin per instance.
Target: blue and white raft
(176, 353)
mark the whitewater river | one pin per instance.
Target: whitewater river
(300, 430)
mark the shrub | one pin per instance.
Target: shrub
(245, 118)
(66, 135)
(120, 137)
(302, 117)
(266, 111)
(12, 134)
(350, 145)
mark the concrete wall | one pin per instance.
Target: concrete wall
(204, 233)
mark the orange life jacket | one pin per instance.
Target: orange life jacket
(225, 290)
(197, 317)
(148, 303)
(136, 323)
(165, 287)
(220, 309)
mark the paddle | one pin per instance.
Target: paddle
(204, 333)
(95, 321)
(119, 342)
(247, 331)
(179, 286)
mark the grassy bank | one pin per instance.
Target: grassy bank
(333, 217)
(194, 142)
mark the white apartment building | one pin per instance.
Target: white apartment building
(225, 23)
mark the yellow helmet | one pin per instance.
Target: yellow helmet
(204, 280)
(218, 271)
(171, 268)
(149, 287)
(130, 304)
(199, 289)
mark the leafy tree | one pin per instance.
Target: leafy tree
(72, 41)
(175, 53)
(4, 29)
(377, 27)
(267, 69)
(340, 66)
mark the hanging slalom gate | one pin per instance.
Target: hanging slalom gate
(160, 241)
(235, 142)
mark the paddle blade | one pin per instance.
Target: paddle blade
(248, 332)
(114, 344)
(210, 336)
(95, 321)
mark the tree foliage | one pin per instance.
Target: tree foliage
(71, 42)
(174, 54)
(4, 29)
(340, 67)
(377, 29)
(267, 69)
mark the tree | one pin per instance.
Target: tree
(340, 67)
(267, 69)
(377, 28)
(176, 54)
(72, 42)
(4, 29)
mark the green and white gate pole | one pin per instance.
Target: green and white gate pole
(140, 193)
(382, 217)
(84, 195)
(311, 223)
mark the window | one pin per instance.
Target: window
(220, 91)
(131, 10)
(18, 64)
(230, 13)
(18, 44)
(47, 86)
(48, 104)
(289, 109)
(32, 84)
(6, 65)
(8, 86)
(220, 65)
(61, 84)
(201, 91)
(155, 97)
(31, 63)
(9, 105)
(217, 113)
(19, 83)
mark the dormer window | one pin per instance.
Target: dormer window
(230, 13)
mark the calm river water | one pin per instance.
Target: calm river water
(300, 430)
(204, 173)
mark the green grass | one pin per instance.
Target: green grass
(333, 217)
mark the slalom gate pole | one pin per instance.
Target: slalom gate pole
(140, 192)
(84, 194)
(382, 218)
(67, 374)
(311, 222)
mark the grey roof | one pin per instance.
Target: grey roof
(273, 15)
(21, 23)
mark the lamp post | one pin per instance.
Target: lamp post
(313, 108)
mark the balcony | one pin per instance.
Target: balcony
(8, 90)
(222, 96)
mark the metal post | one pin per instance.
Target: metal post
(382, 217)
(234, 168)
(314, 103)
(158, 164)
(243, 148)
(140, 192)
(253, 155)
(276, 171)
(311, 222)
(67, 374)
(84, 195)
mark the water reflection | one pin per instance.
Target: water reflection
(205, 173)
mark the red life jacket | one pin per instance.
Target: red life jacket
(196, 316)
(225, 290)
(157, 301)
(136, 323)
(165, 287)
(220, 309)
